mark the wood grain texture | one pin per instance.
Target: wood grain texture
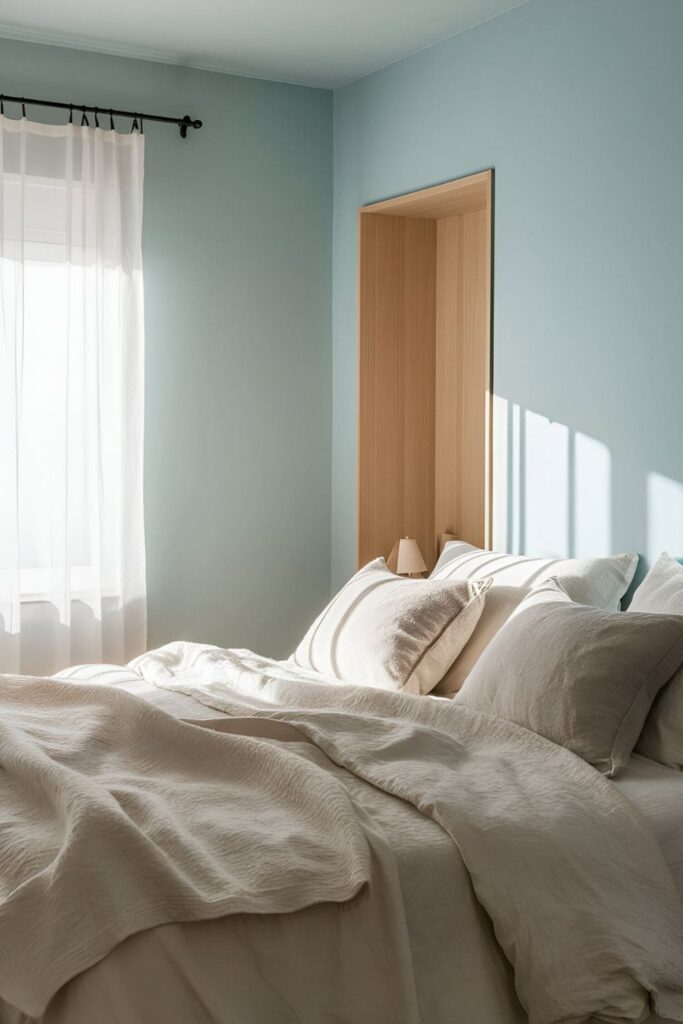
(396, 411)
(473, 377)
(448, 384)
(453, 197)
(418, 366)
(424, 455)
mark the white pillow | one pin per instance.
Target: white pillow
(662, 737)
(594, 581)
(106, 675)
(390, 632)
(501, 602)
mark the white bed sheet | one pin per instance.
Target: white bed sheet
(258, 969)
(656, 791)
(435, 900)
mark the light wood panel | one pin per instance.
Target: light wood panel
(396, 411)
(448, 383)
(463, 378)
(459, 196)
(418, 367)
(424, 460)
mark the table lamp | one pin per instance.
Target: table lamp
(406, 558)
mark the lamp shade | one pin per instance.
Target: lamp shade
(406, 558)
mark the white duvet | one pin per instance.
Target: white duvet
(570, 879)
(116, 817)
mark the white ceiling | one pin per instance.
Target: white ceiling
(313, 42)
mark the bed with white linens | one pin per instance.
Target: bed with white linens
(503, 851)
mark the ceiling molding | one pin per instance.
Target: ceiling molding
(177, 59)
(88, 44)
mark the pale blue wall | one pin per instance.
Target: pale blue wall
(577, 105)
(237, 242)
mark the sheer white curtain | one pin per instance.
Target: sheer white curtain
(72, 558)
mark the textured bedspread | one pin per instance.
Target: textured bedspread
(115, 817)
(581, 900)
(480, 837)
(414, 947)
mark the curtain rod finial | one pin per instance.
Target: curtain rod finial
(187, 122)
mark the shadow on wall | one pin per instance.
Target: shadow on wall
(552, 492)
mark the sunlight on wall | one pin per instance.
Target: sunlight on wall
(505, 537)
(592, 498)
(664, 516)
(545, 479)
(551, 486)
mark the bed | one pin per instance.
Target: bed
(416, 945)
(431, 813)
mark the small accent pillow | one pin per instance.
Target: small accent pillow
(594, 581)
(662, 737)
(583, 677)
(392, 632)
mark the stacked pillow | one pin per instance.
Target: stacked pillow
(391, 632)
(581, 676)
(425, 636)
(592, 581)
(566, 664)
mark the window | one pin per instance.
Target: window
(71, 378)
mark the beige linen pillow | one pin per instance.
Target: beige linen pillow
(583, 677)
(595, 581)
(662, 737)
(391, 632)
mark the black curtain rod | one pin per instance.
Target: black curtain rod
(182, 122)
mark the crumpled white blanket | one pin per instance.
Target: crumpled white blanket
(581, 900)
(116, 817)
